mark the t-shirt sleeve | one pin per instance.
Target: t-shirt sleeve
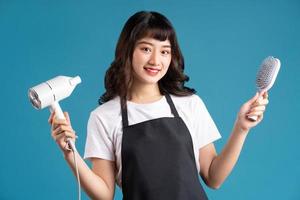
(203, 124)
(98, 143)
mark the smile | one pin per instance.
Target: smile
(151, 71)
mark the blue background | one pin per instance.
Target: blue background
(223, 43)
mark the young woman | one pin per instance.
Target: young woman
(152, 135)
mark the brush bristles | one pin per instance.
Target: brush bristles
(266, 72)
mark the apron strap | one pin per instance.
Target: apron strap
(124, 115)
(171, 104)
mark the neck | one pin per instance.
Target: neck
(145, 93)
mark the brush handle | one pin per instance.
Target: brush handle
(254, 117)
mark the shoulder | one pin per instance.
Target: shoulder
(190, 101)
(108, 111)
(190, 107)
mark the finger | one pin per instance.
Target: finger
(55, 133)
(258, 108)
(58, 123)
(58, 137)
(62, 128)
(260, 117)
(250, 102)
(262, 102)
(58, 134)
(51, 117)
(65, 135)
(255, 113)
(253, 99)
(265, 95)
(67, 117)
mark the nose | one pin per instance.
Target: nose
(154, 59)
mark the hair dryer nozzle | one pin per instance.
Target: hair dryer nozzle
(76, 80)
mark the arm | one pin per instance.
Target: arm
(98, 182)
(215, 168)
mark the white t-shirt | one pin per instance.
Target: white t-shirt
(104, 130)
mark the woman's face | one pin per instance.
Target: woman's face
(151, 60)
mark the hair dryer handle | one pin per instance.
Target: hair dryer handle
(55, 107)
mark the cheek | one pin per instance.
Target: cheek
(137, 59)
(167, 63)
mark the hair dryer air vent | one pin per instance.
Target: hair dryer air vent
(34, 99)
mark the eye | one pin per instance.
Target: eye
(165, 52)
(146, 49)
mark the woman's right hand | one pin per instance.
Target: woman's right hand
(61, 130)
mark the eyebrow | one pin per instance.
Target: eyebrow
(149, 43)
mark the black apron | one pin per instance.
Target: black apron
(158, 161)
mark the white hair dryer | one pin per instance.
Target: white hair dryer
(50, 93)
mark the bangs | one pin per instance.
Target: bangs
(159, 33)
(157, 27)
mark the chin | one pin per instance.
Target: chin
(150, 80)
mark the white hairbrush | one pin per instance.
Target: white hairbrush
(266, 77)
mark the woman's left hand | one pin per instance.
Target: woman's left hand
(254, 107)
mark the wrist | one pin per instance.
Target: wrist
(67, 154)
(240, 130)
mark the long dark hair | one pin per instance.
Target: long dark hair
(118, 77)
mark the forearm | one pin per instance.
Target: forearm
(94, 186)
(219, 166)
(223, 164)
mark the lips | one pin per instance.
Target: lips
(152, 69)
